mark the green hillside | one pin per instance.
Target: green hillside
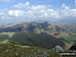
(32, 39)
(15, 50)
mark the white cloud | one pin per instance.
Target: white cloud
(4, 15)
(38, 7)
(22, 5)
(16, 13)
(27, 11)
(65, 7)
(27, 5)
(75, 2)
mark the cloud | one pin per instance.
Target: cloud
(30, 12)
(27, 6)
(4, 15)
(65, 7)
(16, 13)
(22, 5)
(75, 2)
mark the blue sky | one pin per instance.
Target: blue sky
(56, 4)
(18, 10)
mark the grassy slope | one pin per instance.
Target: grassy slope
(31, 39)
(69, 39)
(12, 50)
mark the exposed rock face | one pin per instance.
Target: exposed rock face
(59, 48)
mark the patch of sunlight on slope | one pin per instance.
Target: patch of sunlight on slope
(7, 33)
(23, 46)
(5, 41)
(68, 45)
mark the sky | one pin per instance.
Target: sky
(27, 10)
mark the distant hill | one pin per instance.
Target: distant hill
(58, 30)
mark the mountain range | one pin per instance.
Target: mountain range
(42, 34)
